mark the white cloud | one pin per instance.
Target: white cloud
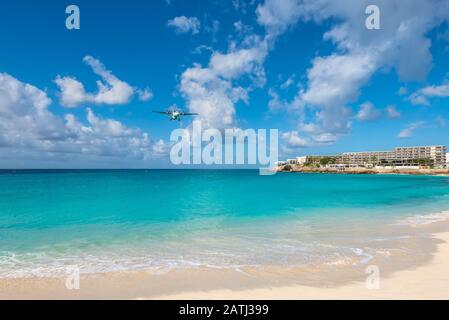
(160, 148)
(392, 112)
(407, 132)
(278, 16)
(210, 96)
(335, 80)
(111, 90)
(24, 117)
(436, 91)
(417, 99)
(145, 94)
(108, 137)
(18, 98)
(72, 92)
(235, 63)
(184, 24)
(27, 127)
(294, 140)
(329, 125)
(275, 103)
(212, 91)
(421, 97)
(368, 112)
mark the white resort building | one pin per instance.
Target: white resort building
(401, 156)
(428, 156)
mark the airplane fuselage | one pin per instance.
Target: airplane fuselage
(175, 116)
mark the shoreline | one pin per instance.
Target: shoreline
(363, 171)
(425, 282)
(424, 279)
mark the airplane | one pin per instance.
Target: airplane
(176, 114)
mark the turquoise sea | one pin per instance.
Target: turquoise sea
(114, 220)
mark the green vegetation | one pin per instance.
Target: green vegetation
(425, 162)
(324, 161)
(308, 163)
(327, 160)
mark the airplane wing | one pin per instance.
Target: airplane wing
(189, 114)
(162, 112)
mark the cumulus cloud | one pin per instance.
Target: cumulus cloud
(160, 148)
(111, 90)
(184, 24)
(436, 91)
(368, 112)
(28, 126)
(107, 137)
(237, 62)
(329, 125)
(422, 96)
(213, 91)
(278, 16)
(294, 140)
(408, 131)
(334, 81)
(24, 117)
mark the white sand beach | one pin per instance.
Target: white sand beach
(428, 281)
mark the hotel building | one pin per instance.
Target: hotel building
(401, 156)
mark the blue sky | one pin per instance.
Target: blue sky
(308, 68)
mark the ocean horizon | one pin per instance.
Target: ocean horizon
(150, 219)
